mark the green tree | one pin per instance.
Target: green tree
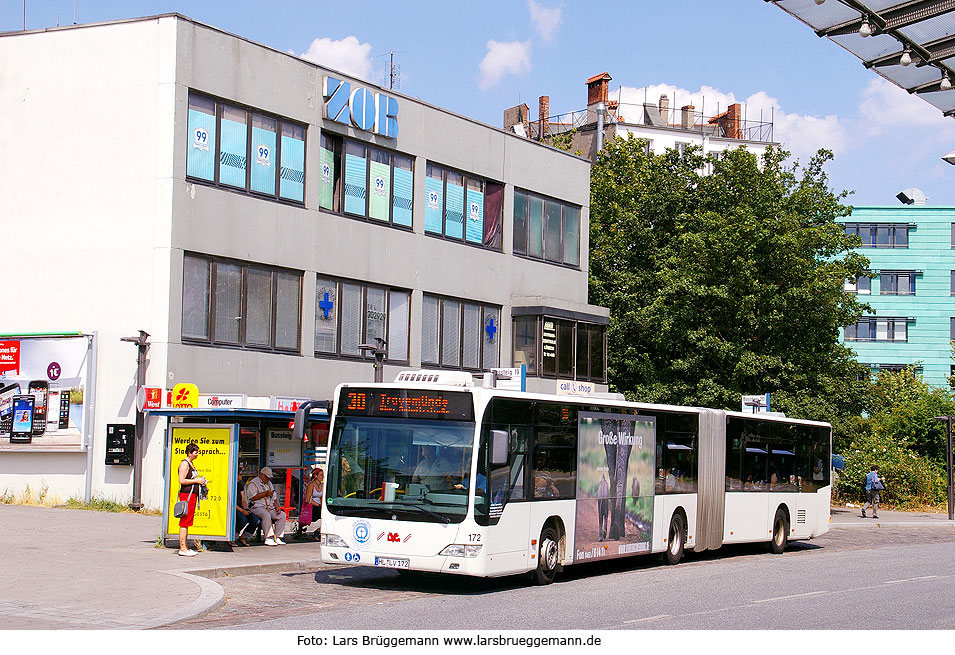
(725, 283)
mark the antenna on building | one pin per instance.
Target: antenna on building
(394, 73)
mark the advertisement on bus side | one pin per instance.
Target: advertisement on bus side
(614, 485)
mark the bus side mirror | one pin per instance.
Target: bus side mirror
(499, 442)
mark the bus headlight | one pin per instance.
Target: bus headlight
(461, 550)
(333, 540)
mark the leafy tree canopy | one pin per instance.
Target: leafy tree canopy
(725, 283)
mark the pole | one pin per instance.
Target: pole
(948, 456)
(142, 347)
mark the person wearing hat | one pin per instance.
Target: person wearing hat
(262, 502)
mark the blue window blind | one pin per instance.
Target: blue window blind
(474, 232)
(379, 202)
(404, 191)
(434, 204)
(454, 209)
(356, 179)
(263, 154)
(232, 151)
(201, 159)
(292, 184)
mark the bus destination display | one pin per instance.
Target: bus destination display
(405, 403)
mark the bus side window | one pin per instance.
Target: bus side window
(518, 449)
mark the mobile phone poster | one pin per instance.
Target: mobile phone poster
(614, 485)
(43, 387)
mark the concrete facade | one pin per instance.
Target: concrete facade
(97, 200)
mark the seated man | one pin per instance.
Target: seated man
(262, 500)
(544, 487)
(244, 518)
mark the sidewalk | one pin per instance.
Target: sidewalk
(851, 517)
(78, 569)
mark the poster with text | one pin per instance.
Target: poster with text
(218, 445)
(614, 485)
(49, 377)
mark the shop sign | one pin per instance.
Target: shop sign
(216, 462)
(286, 403)
(368, 111)
(184, 395)
(222, 401)
(10, 357)
(755, 404)
(575, 388)
(153, 398)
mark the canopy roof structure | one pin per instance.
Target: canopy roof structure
(911, 43)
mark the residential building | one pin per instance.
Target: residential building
(662, 125)
(911, 288)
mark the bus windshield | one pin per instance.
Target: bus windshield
(415, 469)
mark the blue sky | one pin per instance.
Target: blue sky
(478, 58)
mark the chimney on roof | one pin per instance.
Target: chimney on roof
(544, 112)
(688, 116)
(734, 128)
(515, 116)
(597, 88)
(665, 108)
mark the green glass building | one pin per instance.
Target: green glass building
(911, 289)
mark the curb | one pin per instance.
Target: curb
(255, 569)
(211, 597)
(894, 524)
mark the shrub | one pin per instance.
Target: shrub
(910, 479)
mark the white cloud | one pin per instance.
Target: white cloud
(885, 107)
(347, 55)
(801, 134)
(546, 20)
(512, 58)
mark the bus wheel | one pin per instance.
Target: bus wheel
(677, 538)
(547, 556)
(780, 532)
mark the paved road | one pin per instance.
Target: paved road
(831, 583)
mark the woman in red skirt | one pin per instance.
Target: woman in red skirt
(189, 484)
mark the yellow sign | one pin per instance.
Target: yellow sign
(215, 463)
(185, 395)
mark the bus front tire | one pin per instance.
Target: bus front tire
(780, 533)
(547, 556)
(676, 540)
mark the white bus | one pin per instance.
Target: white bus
(434, 474)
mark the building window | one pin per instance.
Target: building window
(546, 229)
(349, 314)
(361, 180)
(564, 348)
(953, 283)
(238, 148)
(897, 283)
(463, 207)
(897, 368)
(460, 334)
(861, 285)
(240, 304)
(880, 235)
(878, 329)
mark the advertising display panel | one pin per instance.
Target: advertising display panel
(55, 373)
(614, 485)
(218, 449)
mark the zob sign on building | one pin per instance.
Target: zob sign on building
(366, 110)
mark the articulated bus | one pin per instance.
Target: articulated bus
(432, 473)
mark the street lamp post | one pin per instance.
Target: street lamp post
(142, 347)
(379, 351)
(948, 460)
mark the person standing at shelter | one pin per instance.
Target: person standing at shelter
(873, 485)
(262, 501)
(189, 487)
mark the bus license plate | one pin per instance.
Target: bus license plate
(392, 563)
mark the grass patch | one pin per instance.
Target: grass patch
(102, 504)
